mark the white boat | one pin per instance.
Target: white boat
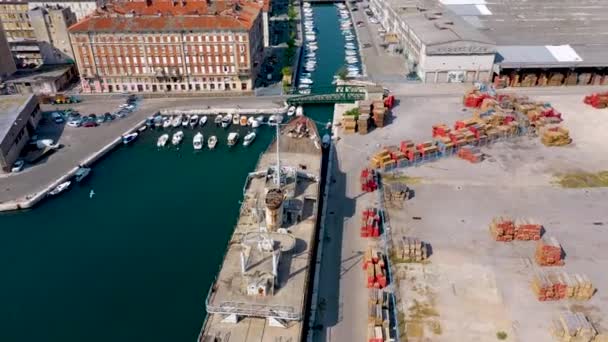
(167, 122)
(274, 119)
(177, 120)
(60, 188)
(306, 81)
(81, 173)
(255, 123)
(326, 141)
(197, 142)
(291, 110)
(185, 120)
(218, 119)
(193, 120)
(212, 142)
(162, 140)
(304, 91)
(299, 111)
(233, 138)
(177, 138)
(142, 128)
(236, 118)
(350, 53)
(226, 120)
(203, 120)
(250, 121)
(127, 138)
(248, 139)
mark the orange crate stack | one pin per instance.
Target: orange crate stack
(549, 252)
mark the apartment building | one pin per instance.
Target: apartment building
(7, 65)
(50, 24)
(80, 8)
(170, 45)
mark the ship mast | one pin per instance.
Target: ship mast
(278, 170)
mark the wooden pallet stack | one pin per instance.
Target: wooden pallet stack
(349, 124)
(548, 252)
(571, 326)
(368, 180)
(502, 229)
(410, 249)
(363, 123)
(470, 153)
(396, 193)
(378, 320)
(527, 229)
(375, 268)
(555, 136)
(379, 113)
(370, 223)
(505, 229)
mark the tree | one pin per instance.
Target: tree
(286, 71)
(291, 13)
(342, 73)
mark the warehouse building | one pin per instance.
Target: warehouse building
(519, 42)
(19, 117)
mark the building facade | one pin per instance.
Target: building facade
(50, 26)
(439, 46)
(7, 64)
(167, 46)
(80, 8)
(19, 117)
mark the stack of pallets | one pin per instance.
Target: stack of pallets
(368, 180)
(379, 113)
(378, 319)
(470, 153)
(527, 229)
(349, 124)
(370, 223)
(548, 252)
(505, 229)
(396, 193)
(410, 249)
(574, 327)
(555, 136)
(561, 285)
(363, 123)
(375, 268)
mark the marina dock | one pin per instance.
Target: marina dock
(261, 291)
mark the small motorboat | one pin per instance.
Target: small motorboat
(150, 121)
(60, 188)
(235, 118)
(81, 173)
(197, 142)
(218, 119)
(233, 138)
(193, 120)
(248, 139)
(177, 120)
(299, 111)
(158, 120)
(127, 138)
(253, 122)
(142, 128)
(203, 120)
(177, 138)
(226, 120)
(306, 81)
(291, 110)
(250, 121)
(167, 122)
(162, 140)
(243, 120)
(212, 142)
(185, 120)
(260, 119)
(275, 119)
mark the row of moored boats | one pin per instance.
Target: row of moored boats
(351, 54)
(310, 50)
(198, 141)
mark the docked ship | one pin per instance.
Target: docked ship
(262, 286)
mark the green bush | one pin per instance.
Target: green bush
(501, 335)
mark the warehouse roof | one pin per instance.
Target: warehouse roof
(10, 108)
(433, 25)
(534, 24)
(160, 15)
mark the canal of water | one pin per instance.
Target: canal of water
(135, 262)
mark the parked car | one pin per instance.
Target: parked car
(18, 166)
(100, 119)
(75, 122)
(354, 9)
(108, 117)
(89, 123)
(57, 118)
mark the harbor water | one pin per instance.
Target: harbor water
(134, 262)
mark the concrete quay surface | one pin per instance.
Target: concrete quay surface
(23, 189)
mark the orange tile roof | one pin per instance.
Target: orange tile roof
(163, 15)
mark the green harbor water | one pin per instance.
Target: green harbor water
(135, 261)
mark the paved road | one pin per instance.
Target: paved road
(79, 143)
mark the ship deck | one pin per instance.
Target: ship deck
(291, 288)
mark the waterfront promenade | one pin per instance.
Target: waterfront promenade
(82, 143)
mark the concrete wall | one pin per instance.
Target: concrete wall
(80, 8)
(18, 136)
(51, 30)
